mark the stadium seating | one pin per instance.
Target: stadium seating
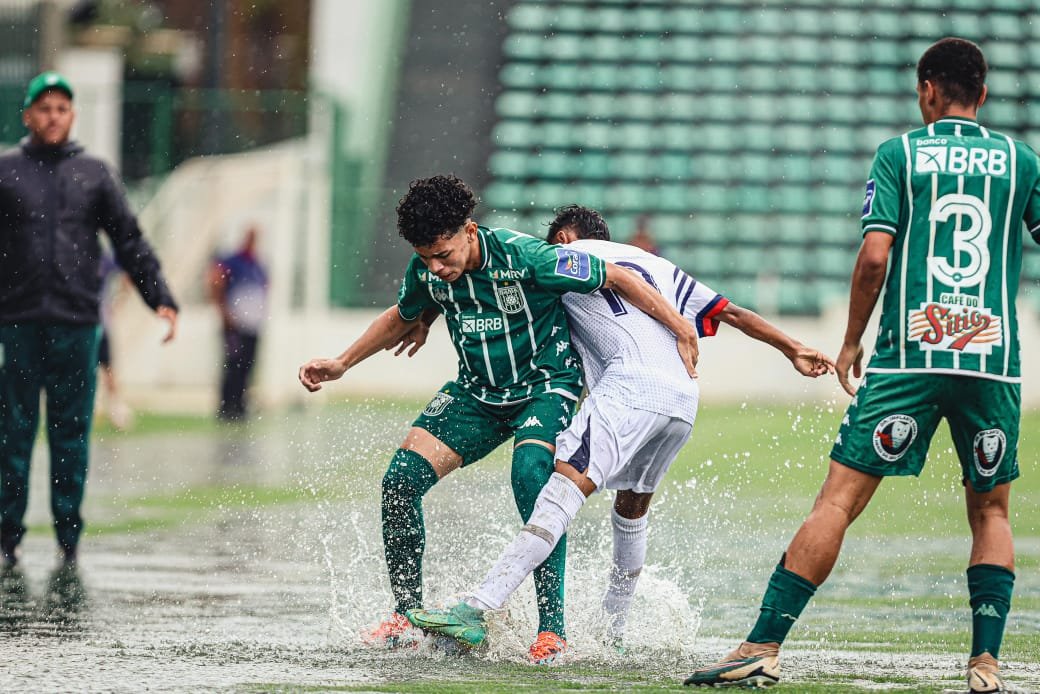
(744, 129)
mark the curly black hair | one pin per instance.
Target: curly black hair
(586, 222)
(957, 67)
(434, 208)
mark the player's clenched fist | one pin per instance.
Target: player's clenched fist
(317, 371)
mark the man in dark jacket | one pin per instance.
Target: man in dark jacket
(54, 199)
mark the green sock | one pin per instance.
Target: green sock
(989, 591)
(532, 467)
(404, 537)
(785, 598)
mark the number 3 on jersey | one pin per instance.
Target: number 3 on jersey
(972, 226)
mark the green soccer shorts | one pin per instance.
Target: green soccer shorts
(890, 422)
(473, 429)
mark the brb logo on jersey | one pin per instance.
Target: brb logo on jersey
(473, 324)
(959, 160)
(893, 436)
(989, 448)
(956, 322)
(573, 264)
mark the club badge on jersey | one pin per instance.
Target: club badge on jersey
(510, 298)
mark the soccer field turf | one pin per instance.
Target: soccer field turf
(893, 614)
(249, 558)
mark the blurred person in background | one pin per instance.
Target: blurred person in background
(643, 239)
(238, 286)
(54, 199)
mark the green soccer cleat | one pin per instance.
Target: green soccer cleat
(461, 622)
(753, 665)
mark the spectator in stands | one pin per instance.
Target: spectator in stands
(643, 239)
(53, 200)
(238, 285)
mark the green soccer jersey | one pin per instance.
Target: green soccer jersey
(505, 318)
(954, 195)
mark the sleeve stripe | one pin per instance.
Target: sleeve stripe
(686, 297)
(1033, 228)
(602, 273)
(404, 317)
(706, 324)
(875, 226)
(682, 285)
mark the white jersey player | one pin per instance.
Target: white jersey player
(638, 414)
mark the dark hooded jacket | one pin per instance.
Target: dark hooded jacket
(53, 203)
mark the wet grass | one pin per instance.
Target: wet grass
(766, 463)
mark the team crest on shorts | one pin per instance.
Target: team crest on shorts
(511, 298)
(437, 405)
(893, 436)
(989, 448)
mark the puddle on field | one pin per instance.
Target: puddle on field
(239, 594)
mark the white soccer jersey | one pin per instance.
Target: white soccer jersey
(628, 355)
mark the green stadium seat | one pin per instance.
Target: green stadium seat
(829, 261)
(758, 120)
(501, 195)
(1005, 84)
(795, 297)
(509, 134)
(789, 260)
(529, 17)
(556, 134)
(508, 164)
(516, 104)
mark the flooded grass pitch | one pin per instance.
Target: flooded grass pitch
(247, 559)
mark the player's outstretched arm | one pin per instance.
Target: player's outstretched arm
(807, 361)
(637, 292)
(385, 331)
(868, 276)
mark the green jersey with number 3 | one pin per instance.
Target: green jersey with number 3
(505, 318)
(954, 195)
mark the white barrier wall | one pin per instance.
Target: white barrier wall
(733, 368)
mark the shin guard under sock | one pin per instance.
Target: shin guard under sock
(404, 536)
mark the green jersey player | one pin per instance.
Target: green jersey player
(942, 218)
(499, 292)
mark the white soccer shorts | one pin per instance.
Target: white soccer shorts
(621, 447)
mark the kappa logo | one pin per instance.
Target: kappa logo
(437, 405)
(893, 436)
(987, 610)
(531, 421)
(440, 293)
(511, 298)
(989, 448)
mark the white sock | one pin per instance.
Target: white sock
(555, 508)
(629, 556)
